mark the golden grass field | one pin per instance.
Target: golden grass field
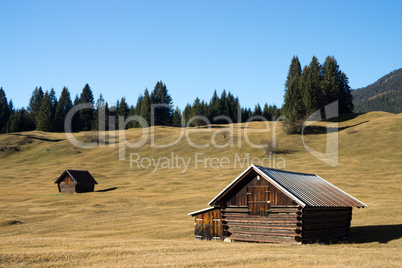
(140, 218)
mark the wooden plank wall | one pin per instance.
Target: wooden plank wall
(281, 224)
(84, 188)
(208, 225)
(67, 185)
(326, 224)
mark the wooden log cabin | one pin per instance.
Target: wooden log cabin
(75, 181)
(276, 206)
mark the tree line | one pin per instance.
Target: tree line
(306, 91)
(311, 89)
(47, 113)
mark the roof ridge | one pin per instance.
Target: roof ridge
(286, 171)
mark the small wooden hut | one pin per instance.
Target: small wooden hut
(75, 181)
(276, 206)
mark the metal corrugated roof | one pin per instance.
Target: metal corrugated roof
(311, 189)
(306, 189)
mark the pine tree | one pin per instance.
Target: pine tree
(45, 116)
(122, 111)
(100, 116)
(76, 119)
(19, 121)
(213, 107)
(138, 109)
(257, 111)
(131, 112)
(187, 113)
(34, 104)
(11, 107)
(53, 100)
(86, 116)
(197, 109)
(345, 98)
(177, 117)
(160, 95)
(232, 104)
(311, 80)
(266, 112)
(5, 112)
(276, 112)
(331, 85)
(145, 112)
(63, 106)
(293, 107)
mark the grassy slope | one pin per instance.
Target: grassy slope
(144, 220)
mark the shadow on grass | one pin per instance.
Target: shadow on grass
(37, 138)
(282, 151)
(376, 233)
(107, 190)
(311, 130)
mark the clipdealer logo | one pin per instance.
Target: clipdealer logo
(237, 137)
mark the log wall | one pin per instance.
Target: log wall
(326, 224)
(84, 188)
(282, 225)
(67, 185)
(260, 212)
(208, 225)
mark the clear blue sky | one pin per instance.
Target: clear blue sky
(122, 47)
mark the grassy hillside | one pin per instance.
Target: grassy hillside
(383, 95)
(137, 217)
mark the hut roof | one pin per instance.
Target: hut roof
(200, 211)
(80, 176)
(305, 189)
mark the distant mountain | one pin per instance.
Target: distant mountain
(383, 95)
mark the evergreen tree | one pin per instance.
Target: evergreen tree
(311, 83)
(86, 116)
(257, 111)
(76, 100)
(45, 116)
(100, 117)
(145, 112)
(53, 100)
(76, 119)
(19, 121)
(223, 105)
(122, 110)
(5, 112)
(131, 112)
(232, 104)
(345, 98)
(213, 107)
(267, 113)
(34, 104)
(63, 106)
(11, 107)
(138, 109)
(293, 107)
(160, 95)
(187, 113)
(331, 86)
(197, 110)
(177, 117)
(276, 112)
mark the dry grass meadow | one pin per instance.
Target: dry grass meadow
(136, 218)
